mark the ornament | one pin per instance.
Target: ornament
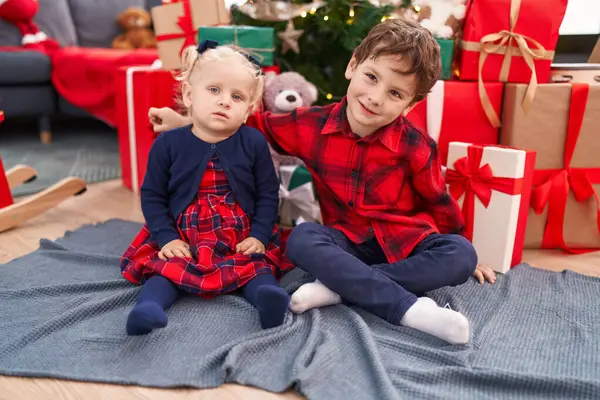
(441, 17)
(276, 10)
(405, 13)
(383, 3)
(290, 38)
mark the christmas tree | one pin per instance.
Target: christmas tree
(326, 32)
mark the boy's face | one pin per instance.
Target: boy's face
(378, 93)
(219, 96)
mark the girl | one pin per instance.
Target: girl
(209, 198)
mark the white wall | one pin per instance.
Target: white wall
(582, 18)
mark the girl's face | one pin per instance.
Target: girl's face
(219, 96)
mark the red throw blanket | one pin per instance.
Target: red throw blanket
(86, 76)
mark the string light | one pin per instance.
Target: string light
(329, 96)
(349, 21)
(417, 8)
(303, 15)
(351, 13)
(313, 10)
(326, 18)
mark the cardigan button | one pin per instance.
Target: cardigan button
(213, 146)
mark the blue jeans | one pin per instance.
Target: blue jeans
(361, 274)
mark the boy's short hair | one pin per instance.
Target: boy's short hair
(405, 38)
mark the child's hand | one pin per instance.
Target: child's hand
(175, 248)
(249, 246)
(483, 273)
(163, 119)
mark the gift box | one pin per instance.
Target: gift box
(137, 89)
(447, 54)
(176, 26)
(578, 73)
(562, 127)
(492, 184)
(259, 41)
(5, 194)
(452, 112)
(510, 41)
(595, 56)
(297, 200)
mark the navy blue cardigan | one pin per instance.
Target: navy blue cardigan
(176, 163)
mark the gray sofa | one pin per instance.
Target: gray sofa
(25, 86)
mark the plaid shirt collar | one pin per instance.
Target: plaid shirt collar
(389, 135)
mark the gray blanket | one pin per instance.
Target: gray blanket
(63, 310)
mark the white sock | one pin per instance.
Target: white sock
(446, 324)
(312, 295)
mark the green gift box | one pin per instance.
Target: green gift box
(258, 41)
(447, 50)
(299, 177)
(298, 200)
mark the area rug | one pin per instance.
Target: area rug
(63, 310)
(90, 152)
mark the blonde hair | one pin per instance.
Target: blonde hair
(192, 62)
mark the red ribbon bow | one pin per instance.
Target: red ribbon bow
(186, 24)
(552, 186)
(470, 179)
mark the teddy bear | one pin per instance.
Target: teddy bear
(284, 93)
(288, 91)
(135, 22)
(441, 17)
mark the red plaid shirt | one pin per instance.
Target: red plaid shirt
(388, 184)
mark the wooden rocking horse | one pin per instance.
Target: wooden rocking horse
(13, 214)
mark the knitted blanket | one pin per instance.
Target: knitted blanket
(535, 334)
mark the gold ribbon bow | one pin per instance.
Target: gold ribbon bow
(252, 50)
(502, 43)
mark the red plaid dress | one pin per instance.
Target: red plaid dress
(213, 224)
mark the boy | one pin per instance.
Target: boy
(391, 231)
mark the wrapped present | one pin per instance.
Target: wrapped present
(176, 26)
(579, 73)
(493, 185)
(5, 195)
(138, 89)
(271, 68)
(452, 112)
(595, 56)
(562, 127)
(509, 41)
(298, 202)
(447, 53)
(259, 41)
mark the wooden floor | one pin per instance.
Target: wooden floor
(109, 200)
(102, 201)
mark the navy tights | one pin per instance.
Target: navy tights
(158, 294)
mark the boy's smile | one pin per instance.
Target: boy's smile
(378, 92)
(366, 110)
